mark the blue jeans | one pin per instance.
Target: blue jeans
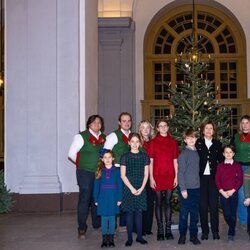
(229, 207)
(85, 181)
(242, 210)
(108, 224)
(189, 206)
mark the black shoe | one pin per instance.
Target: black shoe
(169, 236)
(195, 240)
(160, 237)
(230, 238)
(148, 233)
(182, 240)
(142, 241)
(204, 236)
(104, 241)
(128, 243)
(216, 236)
(111, 241)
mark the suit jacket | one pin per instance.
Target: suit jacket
(213, 155)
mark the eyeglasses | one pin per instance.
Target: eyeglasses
(162, 126)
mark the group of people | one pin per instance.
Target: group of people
(133, 175)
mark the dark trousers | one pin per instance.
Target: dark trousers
(147, 216)
(189, 206)
(209, 197)
(229, 207)
(131, 217)
(85, 181)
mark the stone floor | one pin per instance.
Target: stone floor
(58, 231)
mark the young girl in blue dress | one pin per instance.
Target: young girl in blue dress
(108, 196)
(134, 173)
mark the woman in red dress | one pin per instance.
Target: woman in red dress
(163, 152)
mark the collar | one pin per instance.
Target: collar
(229, 161)
(125, 132)
(94, 134)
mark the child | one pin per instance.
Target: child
(134, 173)
(228, 179)
(163, 152)
(247, 196)
(189, 188)
(107, 196)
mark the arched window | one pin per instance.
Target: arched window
(219, 36)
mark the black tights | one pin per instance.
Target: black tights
(163, 198)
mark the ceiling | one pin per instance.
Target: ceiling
(115, 8)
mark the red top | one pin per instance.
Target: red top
(163, 150)
(229, 176)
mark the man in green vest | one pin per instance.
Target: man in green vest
(117, 141)
(84, 153)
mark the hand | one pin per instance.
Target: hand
(119, 203)
(224, 194)
(184, 194)
(133, 190)
(230, 192)
(152, 183)
(247, 202)
(96, 203)
(139, 191)
(175, 182)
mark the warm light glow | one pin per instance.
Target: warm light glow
(115, 8)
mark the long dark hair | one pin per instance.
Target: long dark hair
(92, 119)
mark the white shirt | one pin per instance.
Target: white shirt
(112, 140)
(78, 143)
(207, 169)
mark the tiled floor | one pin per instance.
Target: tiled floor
(58, 231)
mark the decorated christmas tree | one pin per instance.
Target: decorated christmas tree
(194, 99)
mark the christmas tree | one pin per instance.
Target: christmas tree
(194, 99)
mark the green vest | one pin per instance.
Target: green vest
(88, 156)
(120, 147)
(242, 154)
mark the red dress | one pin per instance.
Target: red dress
(163, 150)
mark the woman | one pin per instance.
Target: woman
(84, 153)
(146, 132)
(163, 152)
(241, 142)
(210, 152)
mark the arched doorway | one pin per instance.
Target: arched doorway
(219, 36)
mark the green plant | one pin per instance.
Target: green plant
(6, 201)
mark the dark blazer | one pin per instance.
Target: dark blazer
(213, 155)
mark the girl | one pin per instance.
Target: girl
(229, 178)
(163, 152)
(210, 152)
(146, 132)
(107, 196)
(134, 173)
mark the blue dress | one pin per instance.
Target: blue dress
(108, 191)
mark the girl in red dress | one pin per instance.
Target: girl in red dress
(163, 152)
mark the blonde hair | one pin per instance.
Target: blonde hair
(152, 132)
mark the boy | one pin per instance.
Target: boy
(189, 188)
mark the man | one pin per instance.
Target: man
(84, 153)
